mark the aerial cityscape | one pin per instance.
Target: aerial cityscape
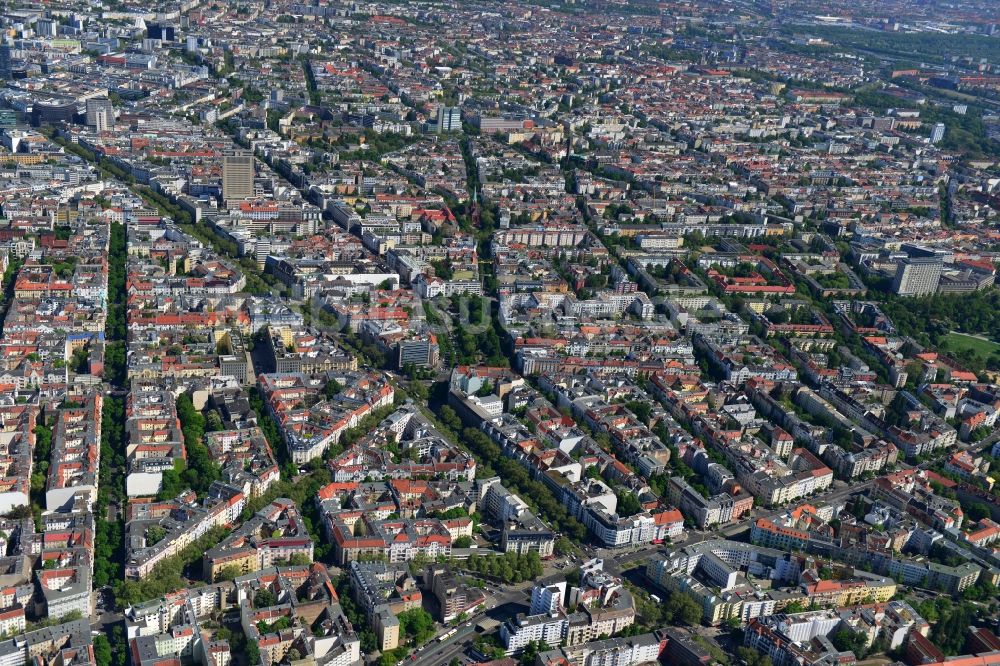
(521, 332)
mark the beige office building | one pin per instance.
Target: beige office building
(237, 176)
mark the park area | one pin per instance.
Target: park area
(957, 343)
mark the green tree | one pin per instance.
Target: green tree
(684, 609)
(751, 657)
(392, 657)
(846, 640)
(628, 504)
(264, 598)
(950, 632)
(253, 653)
(332, 388)
(230, 572)
(531, 651)
(213, 422)
(102, 650)
(978, 511)
(641, 410)
(169, 574)
(417, 625)
(201, 469)
(154, 535)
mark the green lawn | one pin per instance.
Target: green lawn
(956, 342)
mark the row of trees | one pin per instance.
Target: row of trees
(42, 453)
(200, 471)
(166, 207)
(169, 574)
(267, 425)
(511, 568)
(109, 537)
(255, 282)
(516, 478)
(314, 96)
(102, 650)
(365, 426)
(114, 325)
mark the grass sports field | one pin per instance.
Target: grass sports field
(958, 341)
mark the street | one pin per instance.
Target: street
(509, 604)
